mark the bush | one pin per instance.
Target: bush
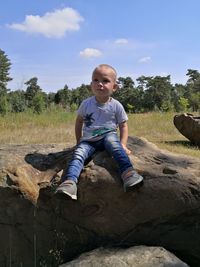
(38, 104)
(3, 105)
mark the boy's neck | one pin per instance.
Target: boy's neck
(103, 100)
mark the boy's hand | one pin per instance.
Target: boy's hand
(128, 151)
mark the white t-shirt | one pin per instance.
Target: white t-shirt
(100, 118)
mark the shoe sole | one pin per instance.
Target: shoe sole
(62, 192)
(135, 185)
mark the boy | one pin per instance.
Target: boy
(96, 126)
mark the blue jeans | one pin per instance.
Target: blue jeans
(85, 149)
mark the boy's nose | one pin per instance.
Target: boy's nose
(100, 83)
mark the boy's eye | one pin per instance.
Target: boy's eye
(104, 81)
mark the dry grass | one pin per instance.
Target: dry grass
(159, 129)
(28, 128)
(58, 127)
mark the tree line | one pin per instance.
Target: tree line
(151, 93)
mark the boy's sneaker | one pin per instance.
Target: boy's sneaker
(69, 188)
(133, 181)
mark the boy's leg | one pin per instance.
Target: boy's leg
(68, 186)
(129, 176)
(83, 151)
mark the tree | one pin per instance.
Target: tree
(4, 78)
(158, 93)
(183, 104)
(4, 71)
(63, 97)
(193, 89)
(178, 91)
(50, 100)
(80, 93)
(129, 95)
(17, 101)
(126, 82)
(194, 75)
(32, 89)
(3, 104)
(195, 101)
(38, 103)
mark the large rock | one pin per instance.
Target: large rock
(40, 229)
(138, 256)
(189, 126)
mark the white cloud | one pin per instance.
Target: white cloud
(144, 59)
(52, 24)
(121, 41)
(90, 52)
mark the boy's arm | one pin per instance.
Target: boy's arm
(78, 128)
(123, 130)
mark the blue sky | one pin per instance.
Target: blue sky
(60, 42)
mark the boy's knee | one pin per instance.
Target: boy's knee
(111, 137)
(112, 141)
(80, 153)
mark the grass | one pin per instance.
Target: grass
(58, 127)
(29, 128)
(159, 129)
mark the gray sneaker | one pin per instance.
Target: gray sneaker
(133, 181)
(69, 188)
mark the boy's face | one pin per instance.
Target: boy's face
(103, 83)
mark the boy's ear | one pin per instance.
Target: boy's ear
(116, 86)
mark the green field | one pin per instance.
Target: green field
(58, 127)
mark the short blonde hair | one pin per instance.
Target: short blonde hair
(105, 66)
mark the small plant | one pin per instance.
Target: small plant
(183, 104)
(73, 107)
(130, 108)
(55, 256)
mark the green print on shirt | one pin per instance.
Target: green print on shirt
(101, 131)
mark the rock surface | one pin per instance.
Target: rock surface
(40, 229)
(138, 256)
(189, 126)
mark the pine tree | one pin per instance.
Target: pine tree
(4, 78)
